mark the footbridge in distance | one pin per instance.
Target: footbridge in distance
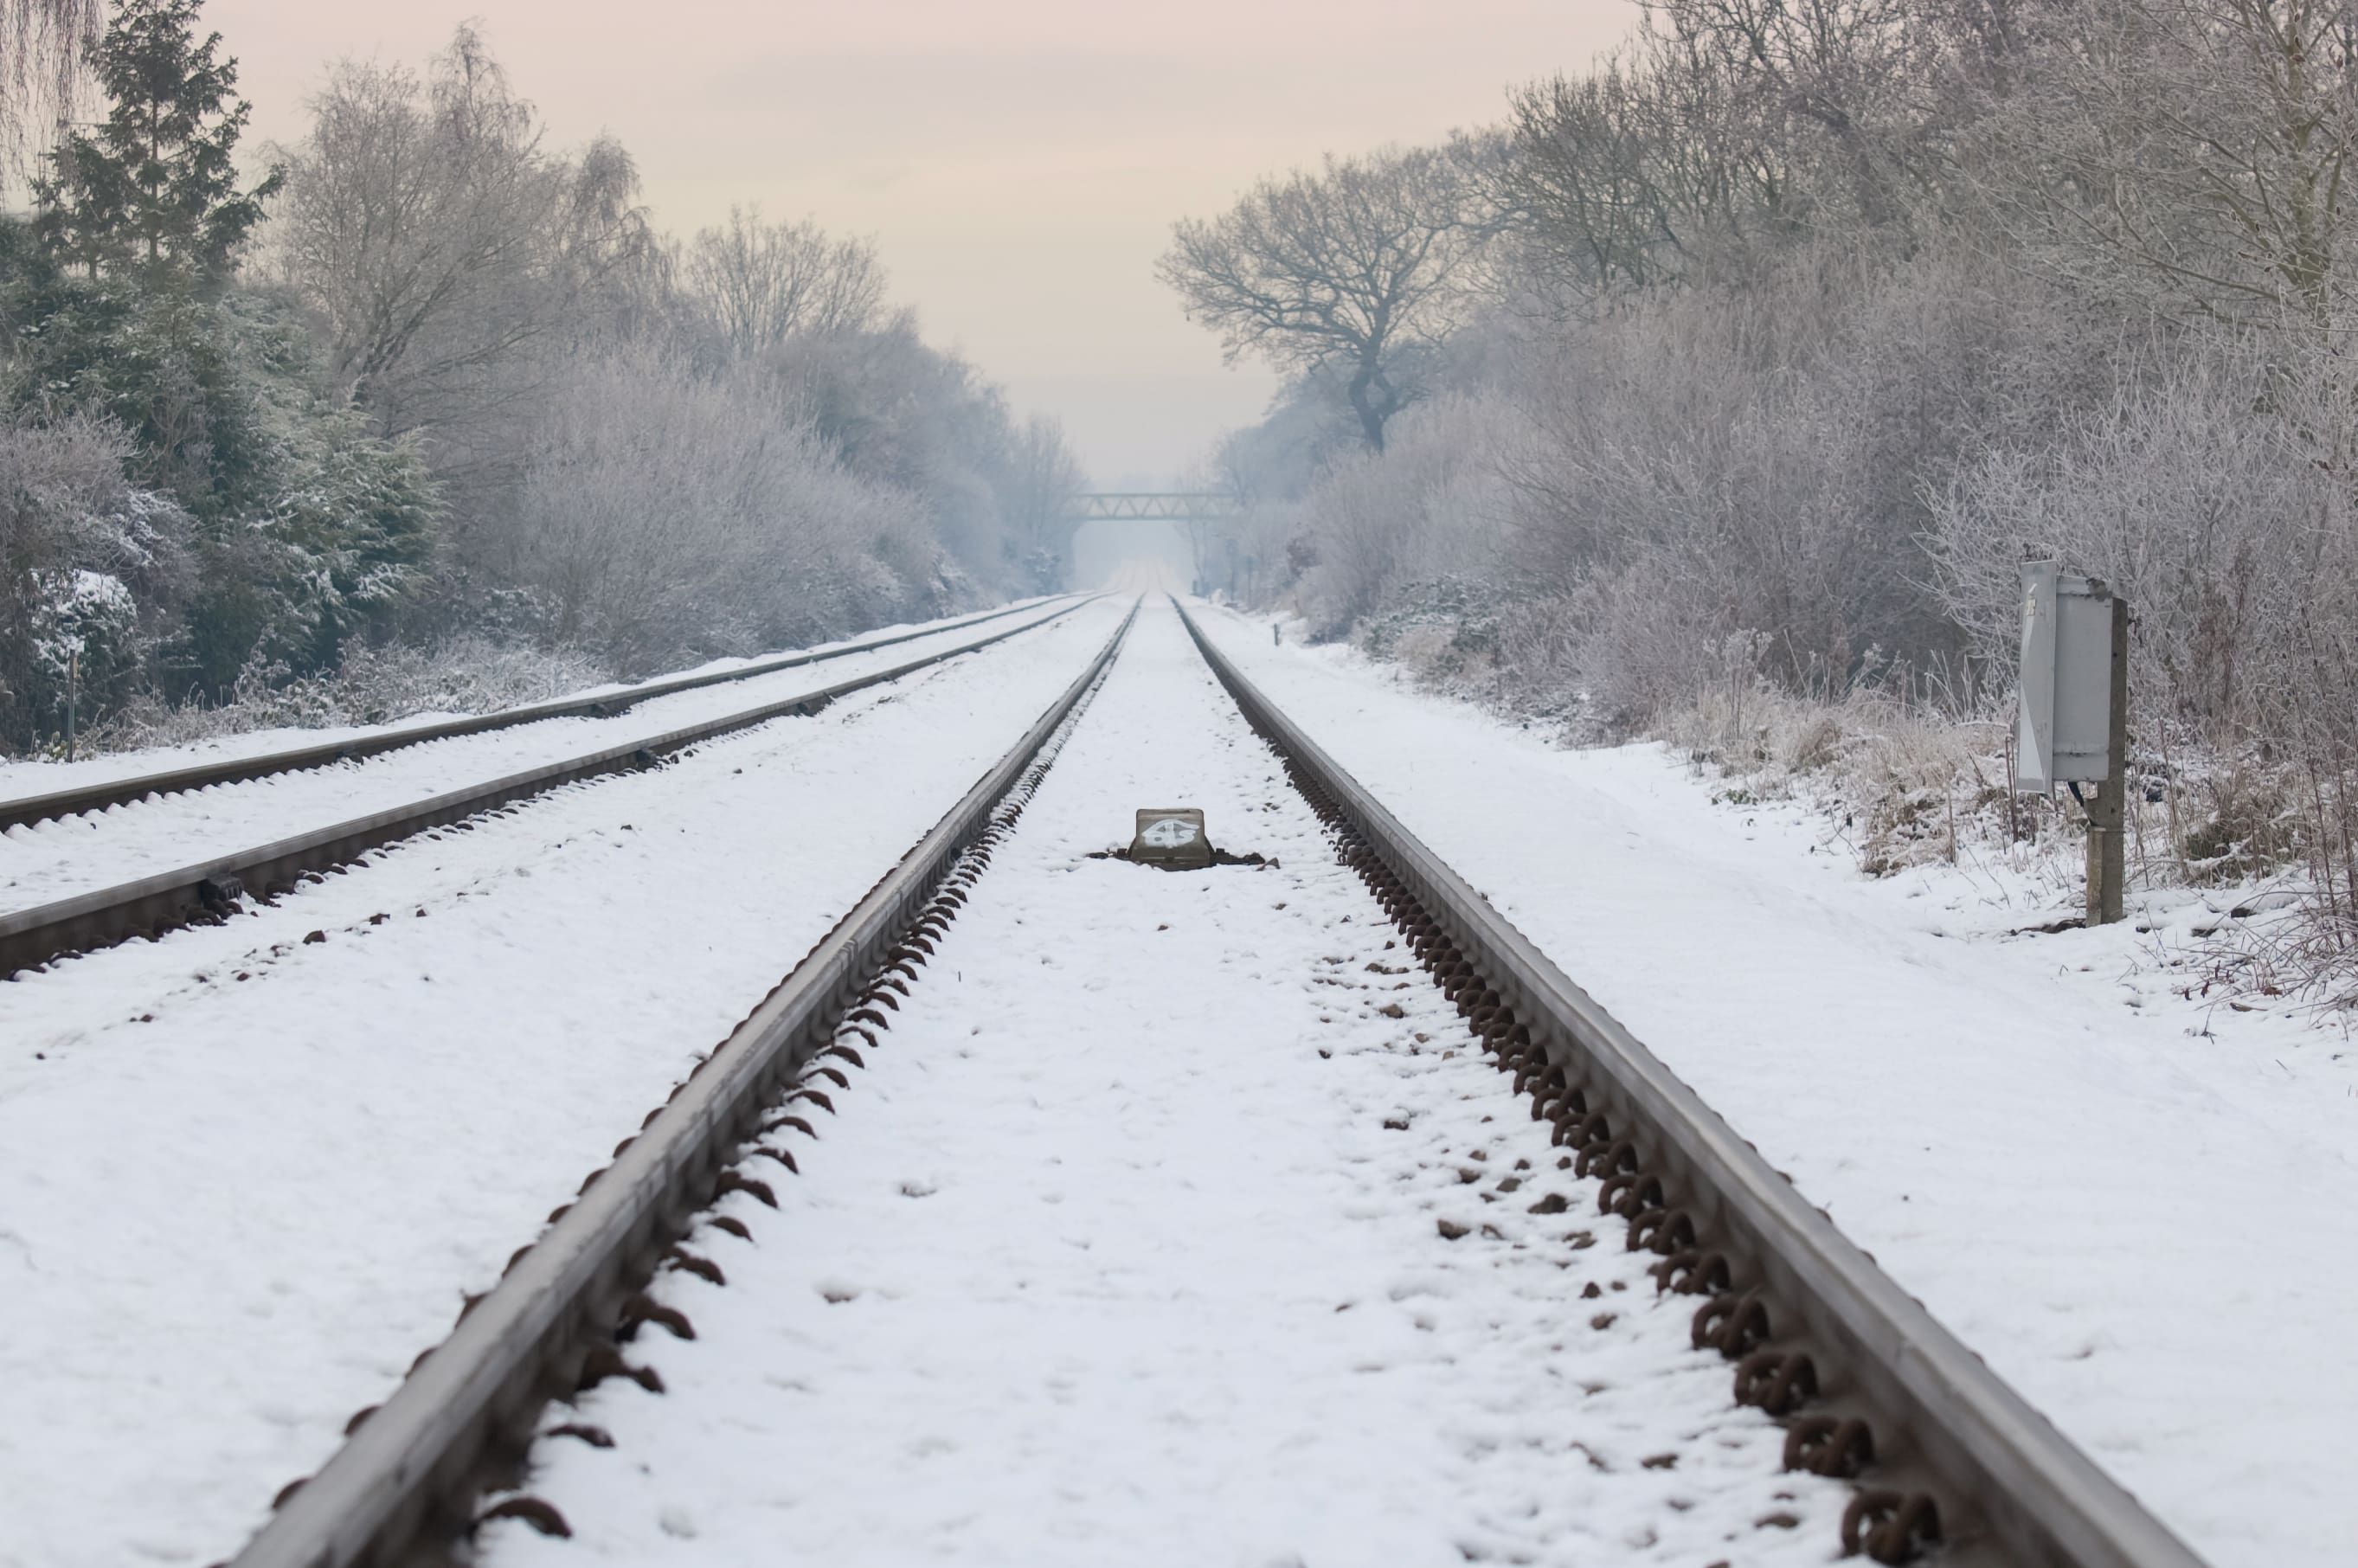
(1221, 560)
(1153, 506)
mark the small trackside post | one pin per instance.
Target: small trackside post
(2108, 808)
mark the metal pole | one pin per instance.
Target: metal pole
(74, 681)
(2108, 810)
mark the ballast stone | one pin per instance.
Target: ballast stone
(1173, 838)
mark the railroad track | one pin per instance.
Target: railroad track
(217, 887)
(1872, 1388)
(1941, 1456)
(24, 811)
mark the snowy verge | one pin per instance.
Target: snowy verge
(2134, 1205)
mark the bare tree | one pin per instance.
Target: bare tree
(437, 239)
(1588, 186)
(1726, 129)
(1358, 266)
(1043, 476)
(2194, 154)
(41, 45)
(762, 283)
(1841, 85)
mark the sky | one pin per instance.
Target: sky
(1019, 163)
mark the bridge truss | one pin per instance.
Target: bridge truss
(1153, 506)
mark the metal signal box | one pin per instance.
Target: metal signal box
(2065, 726)
(1173, 838)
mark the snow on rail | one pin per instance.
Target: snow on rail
(247, 1178)
(69, 856)
(1174, 1220)
(35, 791)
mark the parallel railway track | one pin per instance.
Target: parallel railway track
(216, 887)
(24, 811)
(1943, 1457)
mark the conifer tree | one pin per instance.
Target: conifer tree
(154, 191)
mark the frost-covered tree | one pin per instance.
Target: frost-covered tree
(91, 565)
(1041, 477)
(1359, 266)
(445, 250)
(461, 391)
(1813, 316)
(2193, 156)
(764, 283)
(669, 516)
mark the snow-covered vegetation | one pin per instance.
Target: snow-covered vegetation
(422, 394)
(1717, 393)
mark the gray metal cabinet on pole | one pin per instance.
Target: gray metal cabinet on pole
(2071, 726)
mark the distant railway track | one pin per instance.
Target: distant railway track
(1942, 1455)
(213, 889)
(27, 810)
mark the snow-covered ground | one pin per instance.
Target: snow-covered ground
(1175, 1221)
(247, 1171)
(61, 857)
(2142, 1209)
(1087, 1232)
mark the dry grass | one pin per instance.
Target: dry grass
(467, 674)
(1916, 786)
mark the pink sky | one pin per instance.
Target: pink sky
(1019, 163)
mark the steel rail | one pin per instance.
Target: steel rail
(2009, 1487)
(402, 1480)
(27, 810)
(213, 888)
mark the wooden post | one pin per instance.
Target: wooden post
(2108, 808)
(74, 683)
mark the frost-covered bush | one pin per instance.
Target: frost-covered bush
(372, 685)
(2210, 496)
(89, 564)
(85, 628)
(2205, 512)
(1430, 507)
(670, 515)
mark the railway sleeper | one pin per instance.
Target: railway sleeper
(1886, 1524)
(1829, 1427)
